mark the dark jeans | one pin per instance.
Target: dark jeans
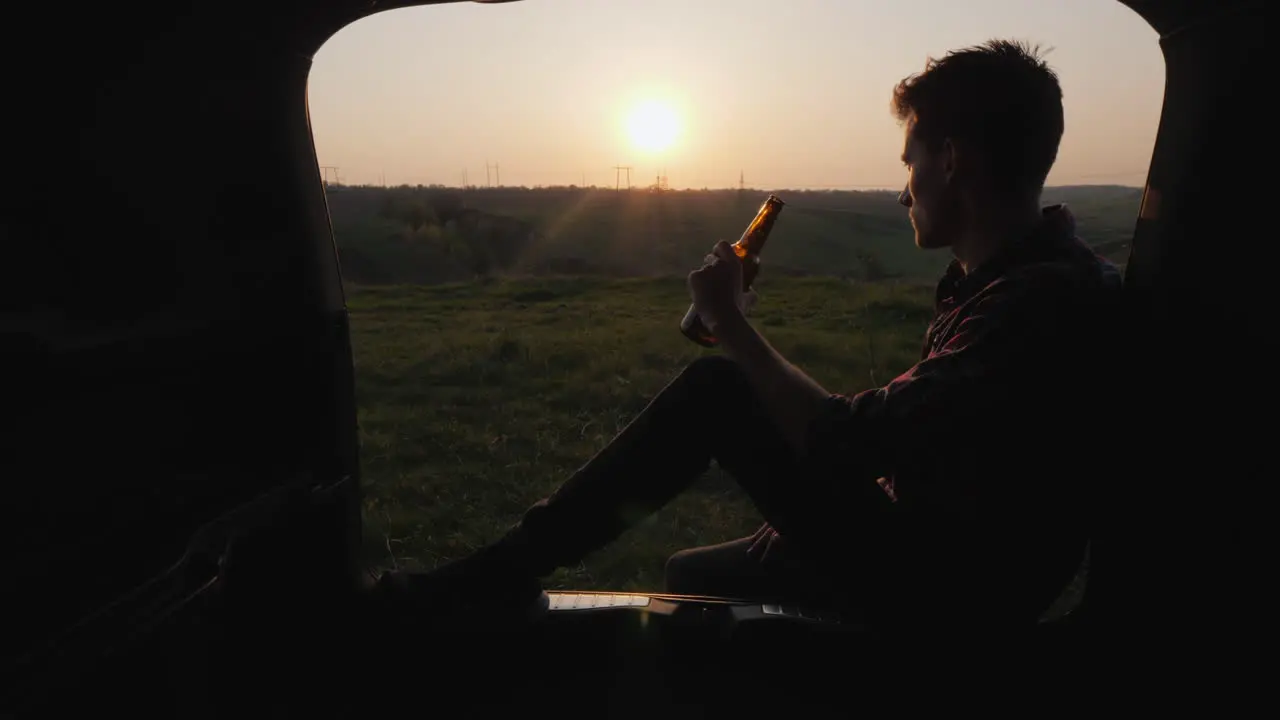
(708, 412)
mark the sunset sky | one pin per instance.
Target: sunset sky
(793, 93)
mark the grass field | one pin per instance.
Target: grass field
(477, 399)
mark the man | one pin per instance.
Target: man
(957, 493)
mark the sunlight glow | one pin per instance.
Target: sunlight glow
(653, 126)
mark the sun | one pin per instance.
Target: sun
(653, 126)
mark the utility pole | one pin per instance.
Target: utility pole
(497, 176)
(325, 170)
(486, 174)
(742, 183)
(617, 176)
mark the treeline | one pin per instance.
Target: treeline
(421, 235)
(432, 234)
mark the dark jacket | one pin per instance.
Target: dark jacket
(974, 472)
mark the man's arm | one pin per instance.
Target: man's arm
(993, 377)
(793, 398)
(988, 379)
(1009, 378)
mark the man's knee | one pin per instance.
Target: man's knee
(714, 373)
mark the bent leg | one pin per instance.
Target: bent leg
(725, 569)
(757, 567)
(707, 412)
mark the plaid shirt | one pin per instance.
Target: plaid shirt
(979, 445)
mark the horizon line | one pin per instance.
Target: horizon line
(646, 188)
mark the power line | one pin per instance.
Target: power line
(331, 175)
(617, 173)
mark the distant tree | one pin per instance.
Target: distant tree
(416, 214)
(480, 263)
(447, 205)
(387, 206)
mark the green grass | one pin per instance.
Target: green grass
(478, 399)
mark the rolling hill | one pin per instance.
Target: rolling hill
(436, 234)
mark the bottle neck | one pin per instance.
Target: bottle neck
(746, 248)
(754, 239)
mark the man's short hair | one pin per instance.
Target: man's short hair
(999, 98)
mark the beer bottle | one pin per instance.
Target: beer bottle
(748, 249)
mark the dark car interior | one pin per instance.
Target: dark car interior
(181, 457)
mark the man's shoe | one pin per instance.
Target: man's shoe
(484, 588)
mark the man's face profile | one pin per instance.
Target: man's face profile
(927, 192)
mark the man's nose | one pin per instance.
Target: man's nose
(904, 197)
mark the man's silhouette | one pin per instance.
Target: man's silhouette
(958, 492)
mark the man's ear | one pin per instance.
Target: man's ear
(948, 160)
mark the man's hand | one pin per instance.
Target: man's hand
(716, 287)
(792, 398)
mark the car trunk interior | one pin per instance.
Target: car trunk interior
(173, 278)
